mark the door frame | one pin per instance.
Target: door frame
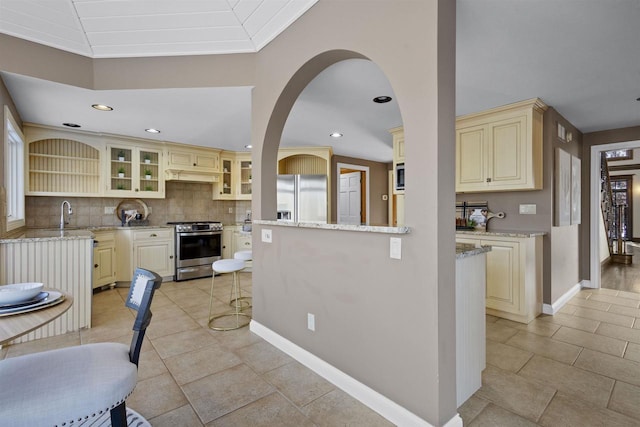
(360, 168)
(594, 206)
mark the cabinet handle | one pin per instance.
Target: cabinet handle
(153, 235)
(195, 164)
(136, 190)
(488, 179)
(247, 244)
(95, 265)
(170, 256)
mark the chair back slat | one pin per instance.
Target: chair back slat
(143, 287)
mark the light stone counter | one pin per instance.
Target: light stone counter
(503, 233)
(343, 227)
(464, 250)
(46, 234)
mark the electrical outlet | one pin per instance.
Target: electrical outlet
(311, 322)
(230, 210)
(395, 248)
(527, 209)
(109, 210)
(266, 236)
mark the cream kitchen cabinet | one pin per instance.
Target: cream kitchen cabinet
(500, 149)
(104, 258)
(235, 177)
(514, 275)
(185, 163)
(134, 171)
(148, 247)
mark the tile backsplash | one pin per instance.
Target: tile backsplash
(185, 201)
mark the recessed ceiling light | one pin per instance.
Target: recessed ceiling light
(71, 125)
(382, 99)
(335, 135)
(102, 107)
(248, 146)
(152, 130)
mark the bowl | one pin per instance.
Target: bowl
(19, 292)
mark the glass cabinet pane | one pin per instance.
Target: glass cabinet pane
(121, 169)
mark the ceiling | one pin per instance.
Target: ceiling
(580, 56)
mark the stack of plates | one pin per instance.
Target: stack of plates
(24, 297)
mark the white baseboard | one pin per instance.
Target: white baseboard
(374, 400)
(587, 284)
(560, 302)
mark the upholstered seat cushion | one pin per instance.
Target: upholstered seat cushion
(228, 265)
(69, 384)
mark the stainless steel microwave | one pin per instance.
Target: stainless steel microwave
(400, 176)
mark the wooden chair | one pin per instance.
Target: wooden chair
(78, 385)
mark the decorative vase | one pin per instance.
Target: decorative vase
(147, 176)
(120, 175)
(120, 159)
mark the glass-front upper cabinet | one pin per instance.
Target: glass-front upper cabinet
(244, 190)
(223, 188)
(134, 172)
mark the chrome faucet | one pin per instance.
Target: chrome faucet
(69, 211)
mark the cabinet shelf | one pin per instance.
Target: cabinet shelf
(50, 172)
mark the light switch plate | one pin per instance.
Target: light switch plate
(529, 209)
(266, 236)
(311, 322)
(395, 248)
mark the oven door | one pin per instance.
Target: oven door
(197, 248)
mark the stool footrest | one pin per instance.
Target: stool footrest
(239, 324)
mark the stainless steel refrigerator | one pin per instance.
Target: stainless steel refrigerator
(302, 198)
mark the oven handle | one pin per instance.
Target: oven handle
(199, 233)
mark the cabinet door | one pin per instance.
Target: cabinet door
(103, 266)
(209, 162)
(134, 172)
(224, 188)
(150, 182)
(154, 256)
(471, 166)
(509, 154)
(245, 179)
(503, 276)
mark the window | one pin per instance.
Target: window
(14, 171)
(620, 154)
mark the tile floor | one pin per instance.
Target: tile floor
(580, 367)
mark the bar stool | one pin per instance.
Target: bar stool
(245, 302)
(229, 266)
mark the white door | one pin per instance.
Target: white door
(350, 199)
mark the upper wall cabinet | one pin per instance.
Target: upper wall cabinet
(398, 159)
(185, 163)
(235, 177)
(134, 171)
(61, 164)
(500, 149)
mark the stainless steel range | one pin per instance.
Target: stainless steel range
(198, 245)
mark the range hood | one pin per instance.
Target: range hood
(190, 176)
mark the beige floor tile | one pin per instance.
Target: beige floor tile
(106, 333)
(187, 367)
(156, 396)
(636, 325)
(499, 332)
(626, 311)
(179, 323)
(298, 383)
(493, 416)
(572, 381)
(602, 291)
(536, 326)
(610, 366)
(43, 344)
(603, 316)
(587, 303)
(506, 357)
(568, 309)
(182, 342)
(616, 300)
(223, 392)
(150, 365)
(620, 332)
(471, 408)
(263, 357)
(237, 338)
(271, 410)
(547, 347)
(337, 408)
(515, 393)
(567, 411)
(630, 295)
(491, 319)
(572, 321)
(183, 416)
(604, 344)
(633, 352)
(625, 399)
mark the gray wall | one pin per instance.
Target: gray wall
(387, 323)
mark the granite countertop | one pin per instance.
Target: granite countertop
(464, 250)
(518, 233)
(71, 233)
(343, 227)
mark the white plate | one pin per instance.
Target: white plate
(53, 299)
(18, 292)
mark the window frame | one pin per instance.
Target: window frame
(14, 167)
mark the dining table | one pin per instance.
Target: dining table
(15, 325)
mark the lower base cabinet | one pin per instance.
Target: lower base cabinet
(514, 275)
(149, 248)
(104, 258)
